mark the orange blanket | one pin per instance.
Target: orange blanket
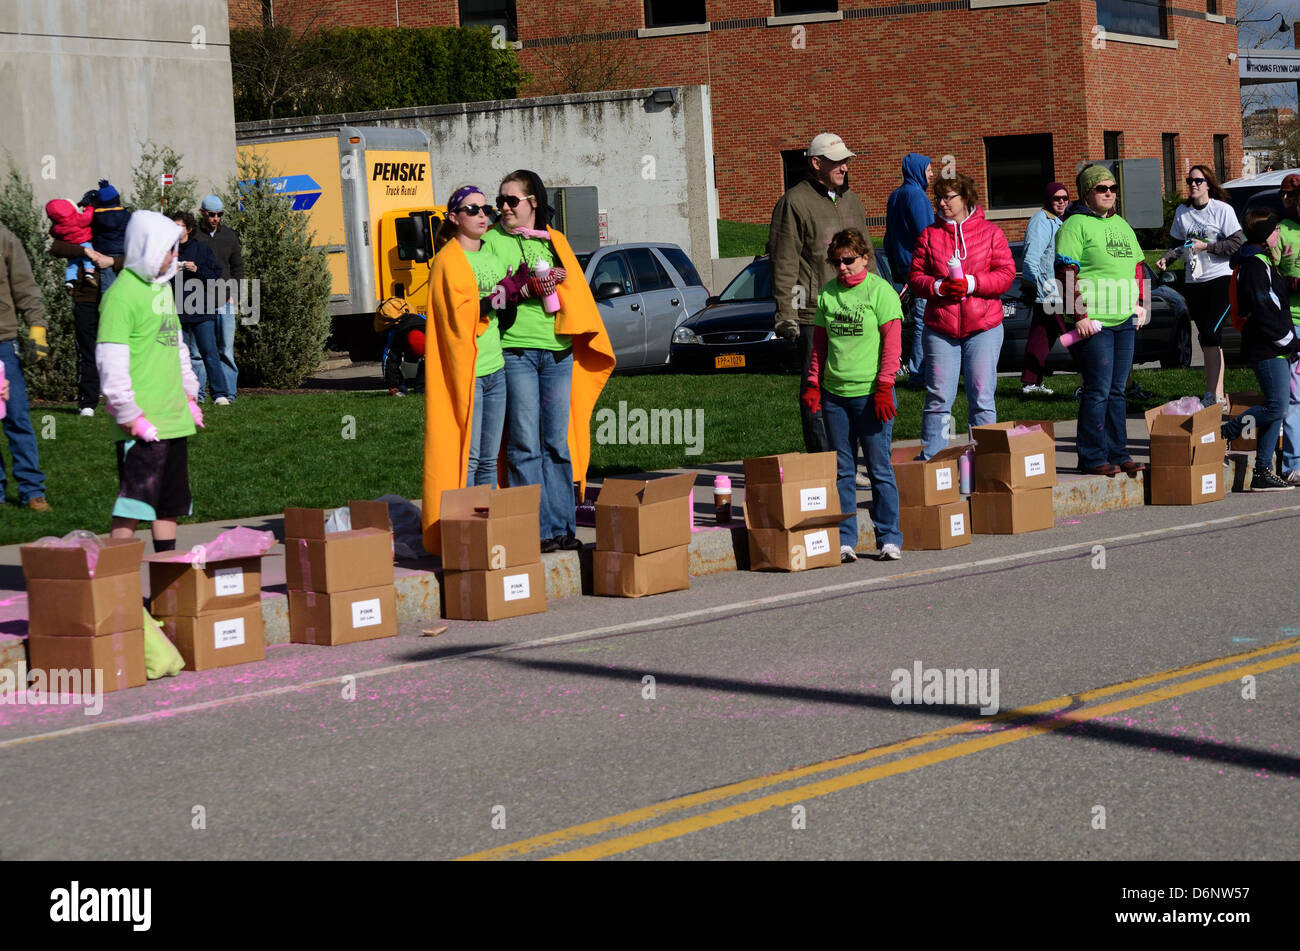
(449, 372)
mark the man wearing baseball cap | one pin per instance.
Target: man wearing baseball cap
(804, 220)
(224, 243)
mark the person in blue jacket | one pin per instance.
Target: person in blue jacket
(908, 213)
(196, 305)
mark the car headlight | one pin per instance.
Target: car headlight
(686, 335)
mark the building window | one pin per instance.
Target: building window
(786, 8)
(1212, 7)
(490, 13)
(1113, 142)
(1134, 17)
(681, 13)
(1169, 155)
(794, 167)
(1018, 168)
(1220, 162)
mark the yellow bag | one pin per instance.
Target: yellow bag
(161, 658)
(390, 313)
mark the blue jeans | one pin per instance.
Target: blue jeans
(1291, 427)
(201, 340)
(1104, 360)
(485, 429)
(1274, 383)
(106, 278)
(226, 346)
(852, 422)
(916, 363)
(945, 359)
(537, 446)
(18, 428)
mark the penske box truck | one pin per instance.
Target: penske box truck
(369, 197)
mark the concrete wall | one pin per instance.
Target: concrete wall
(84, 84)
(652, 164)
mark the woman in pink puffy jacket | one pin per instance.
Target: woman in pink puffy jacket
(962, 266)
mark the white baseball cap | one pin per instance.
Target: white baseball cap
(831, 146)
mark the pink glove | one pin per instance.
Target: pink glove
(196, 413)
(559, 274)
(142, 429)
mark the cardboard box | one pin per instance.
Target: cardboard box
(929, 483)
(935, 528)
(344, 617)
(120, 656)
(1011, 513)
(790, 490)
(1238, 403)
(640, 516)
(338, 561)
(179, 588)
(1175, 452)
(624, 575)
(1191, 428)
(64, 600)
(495, 595)
(486, 528)
(218, 638)
(1187, 485)
(816, 544)
(1006, 463)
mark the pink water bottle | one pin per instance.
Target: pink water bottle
(4, 405)
(966, 471)
(551, 302)
(954, 269)
(722, 499)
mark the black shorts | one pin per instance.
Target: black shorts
(154, 478)
(1207, 302)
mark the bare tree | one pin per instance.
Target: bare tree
(276, 65)
(575, 60)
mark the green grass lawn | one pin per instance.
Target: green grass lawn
(322, 449)
(738, 239)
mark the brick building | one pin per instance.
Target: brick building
(1014, 93)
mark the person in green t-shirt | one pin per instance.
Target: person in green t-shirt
(1099, 265)
(148, 383)
(1288, 251)
(857, 342)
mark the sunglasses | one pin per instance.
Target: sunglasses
(1195, 181)
(214, 214)
(1106, 189)
(1060, 198)
(510, 201)
(844, 262)
(471, 210)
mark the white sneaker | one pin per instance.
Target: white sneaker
(847, 555)
(861, 479)
(1293, 477)
(1035, 389)
(87, 411)
(221, 401)
(890, 552)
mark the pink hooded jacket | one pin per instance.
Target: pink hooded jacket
(985, 255)
(69, 224)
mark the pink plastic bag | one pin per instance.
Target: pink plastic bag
(88, 541)
(1182, 407)
(1022, 430)
(239, 542)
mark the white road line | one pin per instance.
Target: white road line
(631, 627)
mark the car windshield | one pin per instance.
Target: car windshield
(753, 283)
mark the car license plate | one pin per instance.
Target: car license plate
(723, 360)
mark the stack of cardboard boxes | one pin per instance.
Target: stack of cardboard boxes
(792, 511)
(643, 536)
(1186, 456)
(340, 583)
(491, 553)
(932, 514)
(211, 610)
(1015, 471)
(81, 618)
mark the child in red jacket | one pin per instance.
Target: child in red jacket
(71, 225)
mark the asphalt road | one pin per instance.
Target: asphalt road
(771, 732)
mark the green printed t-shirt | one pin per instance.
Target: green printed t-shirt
(533, 327)
(1288, 246)
(488, 272)
(1107, 253)
(853, 317)
(143, 316)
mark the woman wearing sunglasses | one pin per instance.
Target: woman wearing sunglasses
(857, 343)
(465, 384)
(1040, 267)
(1207, 233)
(962, 265)
(556, 363)
(1099, 265)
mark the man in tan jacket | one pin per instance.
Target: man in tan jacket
(20, 295)
(803, 222)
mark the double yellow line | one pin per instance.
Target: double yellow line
(1044, 717)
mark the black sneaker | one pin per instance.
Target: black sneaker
(1266, 480)
(549, 545)
(568, 543)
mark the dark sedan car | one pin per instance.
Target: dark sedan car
(736, 331)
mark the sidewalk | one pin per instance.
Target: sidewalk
(713, 549)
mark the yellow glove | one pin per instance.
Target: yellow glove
(37, 335)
